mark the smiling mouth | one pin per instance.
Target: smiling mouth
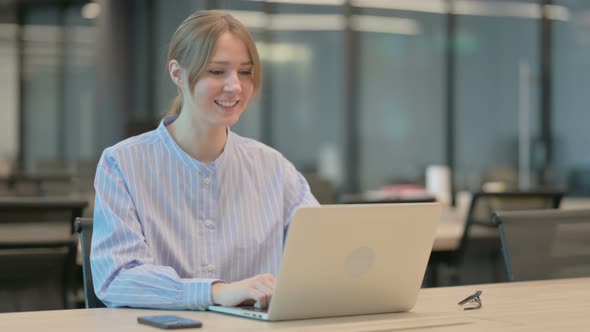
(227, 104)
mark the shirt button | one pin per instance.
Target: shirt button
(208, 223)
(207, 181)
(210, 267)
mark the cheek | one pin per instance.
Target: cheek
(248, 89)
(206, 90)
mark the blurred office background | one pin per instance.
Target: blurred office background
(358, 94)
(363, 92)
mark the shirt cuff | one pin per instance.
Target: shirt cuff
(197, 293)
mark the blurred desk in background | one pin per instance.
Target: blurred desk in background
(450, 230)
(575, 203)
(398, 193)
(453, 221)
(361, 199)
(35, 184)
(36, 209)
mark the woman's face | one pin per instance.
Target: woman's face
(224, 88)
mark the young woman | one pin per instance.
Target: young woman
(191, 214)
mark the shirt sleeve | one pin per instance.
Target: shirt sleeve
(123, 269)
(296, 193)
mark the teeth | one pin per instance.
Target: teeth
(227, 103)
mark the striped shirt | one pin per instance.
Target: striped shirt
(166, 226)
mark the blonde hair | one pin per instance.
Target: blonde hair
(193, 43)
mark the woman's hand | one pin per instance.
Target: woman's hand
(256, 290)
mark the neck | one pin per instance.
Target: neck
(199, 140)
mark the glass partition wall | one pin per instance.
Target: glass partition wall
(571, 110)
(354, 90)
(497, 91)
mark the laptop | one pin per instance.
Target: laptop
(342, 260)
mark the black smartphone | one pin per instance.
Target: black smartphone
(169, 322)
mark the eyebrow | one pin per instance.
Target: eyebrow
(227, 63)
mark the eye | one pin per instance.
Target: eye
(216, 72)
(245, 72)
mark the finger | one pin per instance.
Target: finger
(262, 286)
(271, 279)
(259, 297)
(263, 290)
(267, 279)
(266, 291)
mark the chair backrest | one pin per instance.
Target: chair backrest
(84, 227)
(484, 204)
(545, 244)
(37, 252)
(37, 275)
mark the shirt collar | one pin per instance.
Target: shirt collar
(176, 150)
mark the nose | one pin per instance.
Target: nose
(232, 83)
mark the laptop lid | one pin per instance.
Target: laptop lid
(342, 260)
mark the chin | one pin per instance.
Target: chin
(230, 121)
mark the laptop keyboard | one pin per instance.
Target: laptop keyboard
(255, 309)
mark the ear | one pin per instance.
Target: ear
(176, 72)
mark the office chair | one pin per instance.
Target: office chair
(37, 275)
(84, 227)
(545, 244)
(37, 252)
(480, 236)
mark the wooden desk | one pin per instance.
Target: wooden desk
(555, 305)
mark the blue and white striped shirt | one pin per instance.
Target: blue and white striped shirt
(166, 225)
